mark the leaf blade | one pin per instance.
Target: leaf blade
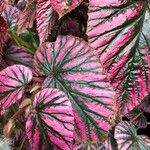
(52, 119)
(13, 80)
(115, 31)
(70, 66)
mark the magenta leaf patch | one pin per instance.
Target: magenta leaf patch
(13, 81)
(127, 138)
(145, 104)
(27, 17)
(64, 6)
(119, 31)
(70, 65)
(45, 18)
(11, 15)
(50, 124)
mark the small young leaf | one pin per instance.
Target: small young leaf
(127, 138)
(50, 124)
(13, 81)
(3, 32)
(70, 65)
(64, 6)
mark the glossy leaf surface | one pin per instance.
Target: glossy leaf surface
(127, 138)
(45, 18)
(70, 65)
(119, 31)
(13, 80)
(50, 123)
(64, 6)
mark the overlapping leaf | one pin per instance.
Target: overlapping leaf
(11, 15)
(127, 138)
(64, 6)
(70, 65)
(119, 31)
(27, 17)
(45, 18)
(13, 80)
(50, 124)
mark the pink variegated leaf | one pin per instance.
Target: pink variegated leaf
(27, 17)
(88, 146)
(3, 33)
(145, 104)
(137, 118)
(11, 15)
(70, 65)
(110, 143)
(46, 18)
(1, 6)
(13, 81)
(17, 55)
(64, 6)
(119, 31)
(50, 124)
(127, 138)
